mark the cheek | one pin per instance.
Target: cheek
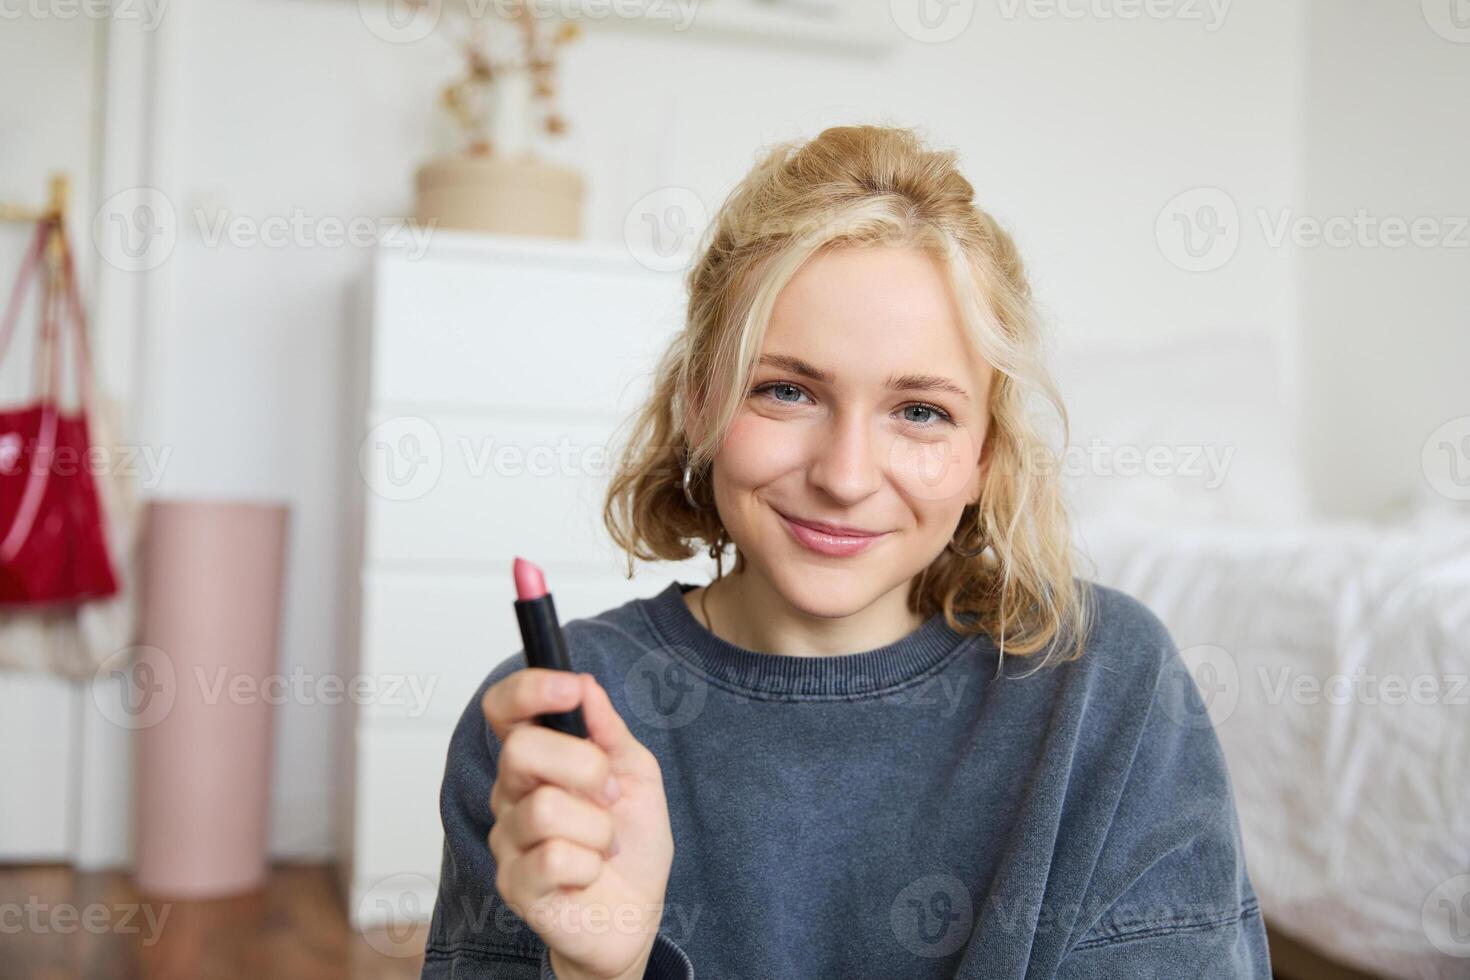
(758, 450)
(936, 471)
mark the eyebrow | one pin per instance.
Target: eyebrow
(894, 382)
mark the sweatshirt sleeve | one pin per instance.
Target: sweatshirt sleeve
(1171, 895)
(473, 933)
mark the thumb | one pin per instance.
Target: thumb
(605, 727)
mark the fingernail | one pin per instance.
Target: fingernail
(611, 789)
(563, 686)
(613, 850)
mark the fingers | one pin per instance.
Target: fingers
(605, 727)
(552, 829)
(532, 755)
(528, 692)
(552, 864)
(547, 812)
(549, 840)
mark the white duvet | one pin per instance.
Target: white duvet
(1336, 664)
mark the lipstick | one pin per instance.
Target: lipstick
(543, 640)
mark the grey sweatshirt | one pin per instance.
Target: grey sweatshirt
(899, 812)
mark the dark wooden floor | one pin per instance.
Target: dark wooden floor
(57, 924)
(1293, 960)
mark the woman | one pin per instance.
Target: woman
(899, 738)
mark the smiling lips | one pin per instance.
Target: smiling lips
(833, 540)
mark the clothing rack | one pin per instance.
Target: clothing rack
(60, 187)
(53, 210)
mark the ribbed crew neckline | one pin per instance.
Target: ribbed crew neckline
(774, 676)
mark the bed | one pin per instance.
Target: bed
(1334, 655)
(1335, 660)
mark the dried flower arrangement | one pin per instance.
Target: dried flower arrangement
(469, 98)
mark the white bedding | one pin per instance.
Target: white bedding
(1354, 797)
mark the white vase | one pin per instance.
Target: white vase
(510, 115)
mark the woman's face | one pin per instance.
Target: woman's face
(859, 441)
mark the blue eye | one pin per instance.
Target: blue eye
(929, 414)
(918, 414)
(776, 389)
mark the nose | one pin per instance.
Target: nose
(846, 462)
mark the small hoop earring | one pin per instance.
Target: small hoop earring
(716, 550)
(693, 504)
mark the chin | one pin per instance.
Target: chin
(827, 589)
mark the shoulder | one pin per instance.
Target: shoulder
(1173, 856)
(1134, 647)
(1130, 699)
(1127, 653)
(1124, 631)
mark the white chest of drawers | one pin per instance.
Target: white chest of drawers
(488, 376)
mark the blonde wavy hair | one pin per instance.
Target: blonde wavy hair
(853, 186)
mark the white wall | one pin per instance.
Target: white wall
(1385, 132)
(48, 118)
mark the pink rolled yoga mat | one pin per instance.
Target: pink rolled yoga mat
(211, 580)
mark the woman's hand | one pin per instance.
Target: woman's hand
(587, 871)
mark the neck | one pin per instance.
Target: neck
(746, 610)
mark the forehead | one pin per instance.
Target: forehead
(871, 309)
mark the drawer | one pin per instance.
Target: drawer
(398, 838)
(519, 330)
(429, 638)
(480, 489)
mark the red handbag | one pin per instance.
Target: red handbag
(53, 541)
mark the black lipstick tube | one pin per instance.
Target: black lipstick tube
(546, 647)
